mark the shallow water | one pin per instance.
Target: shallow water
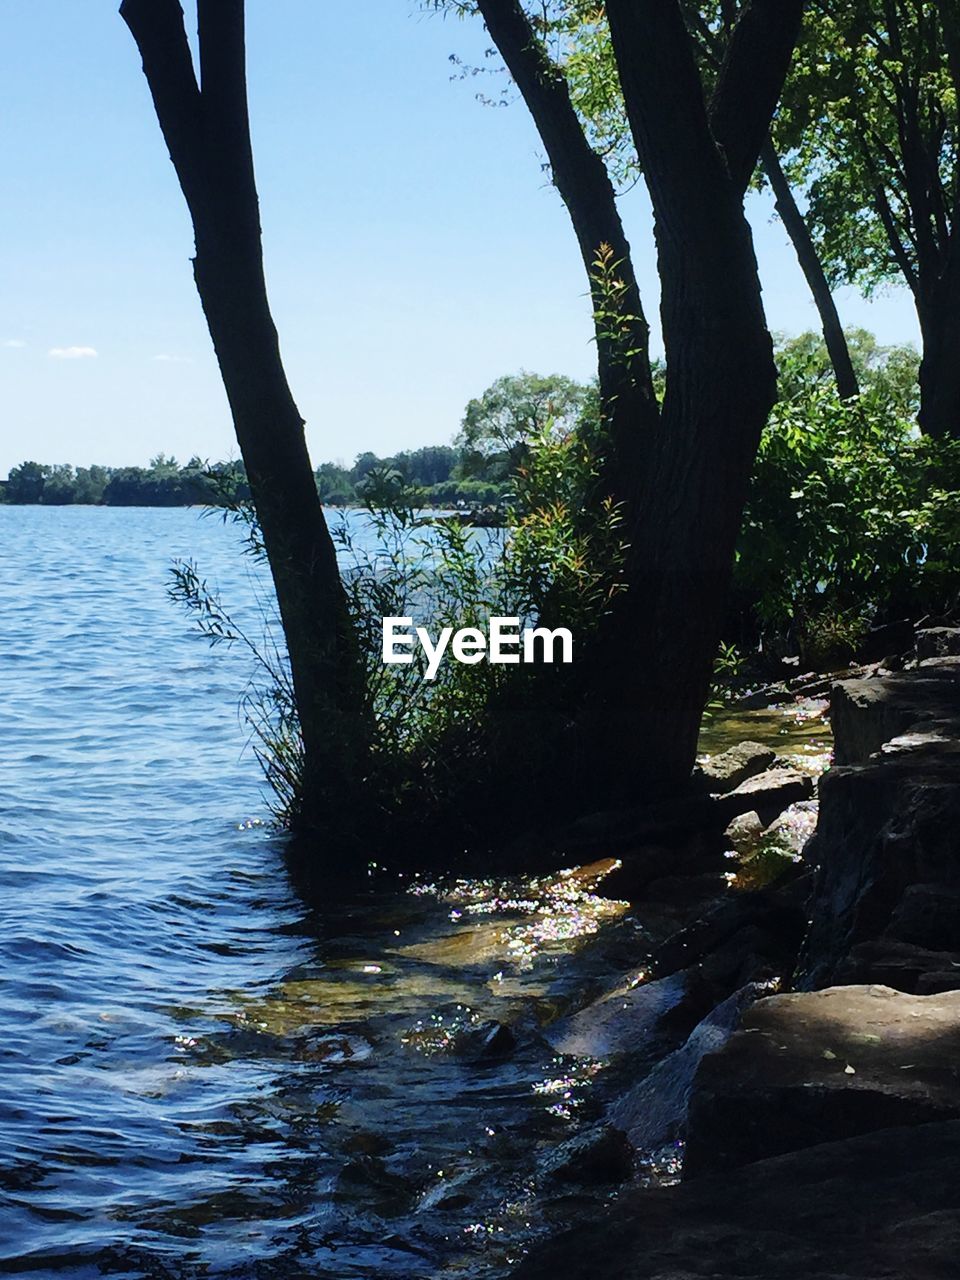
(200, 1076)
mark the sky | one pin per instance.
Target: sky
(415, 249)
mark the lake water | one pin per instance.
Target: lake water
(198, 1075)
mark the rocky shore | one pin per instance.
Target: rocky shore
(794, 1103)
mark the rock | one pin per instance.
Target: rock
(653, 1114)
(821, 1066)
(623, 1020)
(727, 770)
(938, 642)
(597, 1155)
(900, 965)
(865, 714)
(794, 827)
(892, 638)
(928, 915)
(637, 869)
(745, 831)
(883, 827)
(766, 794)
(490, 1042)
(879, 1207)
(785, 920)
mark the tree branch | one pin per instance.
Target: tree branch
(579, 174)
(158, 29)
(751, 80)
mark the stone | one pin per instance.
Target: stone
(928, 915)
(883, 826)
(744, 832)
(867, 713)
(623, 1020)
(729, 768)
(766, 794)
(783, 919)
(598, 1155)
(938, 642)
(653, 1113)
(812, 1067)
(900, 965)
(879, 1207)
(893, 638)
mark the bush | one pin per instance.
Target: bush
(852, 518)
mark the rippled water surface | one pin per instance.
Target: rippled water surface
(199, 1075)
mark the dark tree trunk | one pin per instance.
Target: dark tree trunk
(796, 228)
(940, 366)
(651, 677)
(206, 130)
(581, 178)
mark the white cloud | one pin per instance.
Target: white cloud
(165, 358)
(14, 342)
(72, 353)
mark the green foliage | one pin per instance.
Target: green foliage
(887, 376)
(516, 410)
(164, 483)
(552, 562)
(852, 517)
(268, 705)
(869, 125)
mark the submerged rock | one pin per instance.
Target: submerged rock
(880, 1206)
(820, 1066)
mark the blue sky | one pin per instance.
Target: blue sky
(414, 249)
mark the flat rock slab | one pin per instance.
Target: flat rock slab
(867, 713)
(881, 1207)
(821, 1066)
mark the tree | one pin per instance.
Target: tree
(517, 408)
(681, 472)
(711, 25)
(870, 124)
(206, 128)
(26, 482)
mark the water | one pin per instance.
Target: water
(198, 1075)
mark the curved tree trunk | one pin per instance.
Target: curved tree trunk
(206, 130)
(580, 176)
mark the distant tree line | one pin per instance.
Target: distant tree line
(164, 483)
(443, 475)
(477, 470)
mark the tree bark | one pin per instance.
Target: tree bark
(939, 313)
(206, 129)
(651, 678)
(581, 178)
(796, 228)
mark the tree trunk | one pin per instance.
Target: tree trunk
(581, 178)
(651, 674)
(207, 134)
(813, 272)
(940, 366)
